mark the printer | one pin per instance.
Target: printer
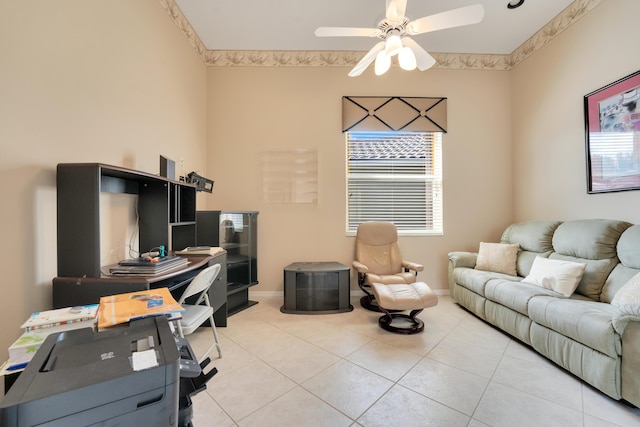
(125, 376)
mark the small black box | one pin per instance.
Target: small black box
(167, 168)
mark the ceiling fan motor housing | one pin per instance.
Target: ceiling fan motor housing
(388, 28)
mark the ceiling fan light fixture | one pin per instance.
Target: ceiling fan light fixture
(407, 59)
(383, 62)
(393, 44)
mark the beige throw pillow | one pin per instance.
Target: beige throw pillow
(498, 257)
(556, 275)
(629, 293)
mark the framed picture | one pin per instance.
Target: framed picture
(612, 128)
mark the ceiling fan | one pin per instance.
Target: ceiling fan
(394, 31)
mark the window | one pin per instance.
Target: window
(395, 177)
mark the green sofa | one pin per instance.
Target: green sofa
(582, 333)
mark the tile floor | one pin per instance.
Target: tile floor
(343, 370)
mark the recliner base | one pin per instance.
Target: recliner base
(415, 325)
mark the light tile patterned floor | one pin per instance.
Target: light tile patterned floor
(336, 370)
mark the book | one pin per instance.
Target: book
(122, 308)
(150, 269)
(199, 250)
(60, 317)
(89, 323)
(150, 262)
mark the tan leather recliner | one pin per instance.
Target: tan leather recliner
(378, 260)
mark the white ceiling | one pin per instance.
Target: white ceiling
(289, 24)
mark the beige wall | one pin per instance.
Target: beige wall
(548, 119)
(253, 110)
(83, 81)
(116, 82)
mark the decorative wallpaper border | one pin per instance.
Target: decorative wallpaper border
(257, 58)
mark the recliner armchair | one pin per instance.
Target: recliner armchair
(379, 260)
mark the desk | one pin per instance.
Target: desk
(71, 291)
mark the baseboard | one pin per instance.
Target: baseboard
(353, 293)
(265, 293)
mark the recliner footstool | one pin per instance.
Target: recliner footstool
(402, 297)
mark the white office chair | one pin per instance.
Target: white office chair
(196, 314)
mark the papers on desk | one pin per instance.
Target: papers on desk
(199, 250)
(122, 308)
(143, 267)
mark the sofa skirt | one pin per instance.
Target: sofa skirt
(597, 369)
(469, 300)
(509, 321)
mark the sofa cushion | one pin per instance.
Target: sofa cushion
(589, 238)
(497, 257)
(476, 280)
(532, 236)
(557, 275)
(587, 322)
(525, 261)
(514, 295)
(594, 276)
(629, 293)
(616, 280)
(628, 247)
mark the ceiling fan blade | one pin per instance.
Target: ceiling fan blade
(449, 19)
(423, 59)
(346, 32)
(368, 59)
(396, 9)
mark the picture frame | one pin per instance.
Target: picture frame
(612, 132)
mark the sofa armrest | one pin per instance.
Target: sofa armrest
(412, 266)
(625, 315)
(626, 323)
(629, 323)
(462, 259)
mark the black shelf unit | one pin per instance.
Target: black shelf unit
(237, 233)
(166, 217)
(166, 212)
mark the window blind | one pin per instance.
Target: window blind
(395, 177)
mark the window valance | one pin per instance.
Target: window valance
(393, 113)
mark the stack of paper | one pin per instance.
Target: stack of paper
(43, 323)
(199, 250)
(143, 266)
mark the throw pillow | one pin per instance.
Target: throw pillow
(498, 257)
(556, 275)
(629, 293)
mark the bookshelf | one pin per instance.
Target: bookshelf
(166, 213)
